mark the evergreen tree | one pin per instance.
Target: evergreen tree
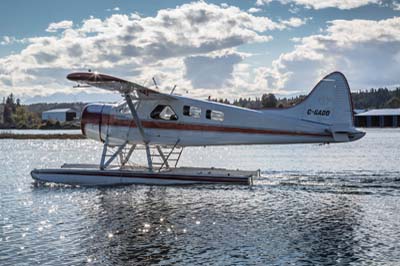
(269, 100)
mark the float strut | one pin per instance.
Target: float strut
(141, 131)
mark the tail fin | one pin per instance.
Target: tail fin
(329, 104)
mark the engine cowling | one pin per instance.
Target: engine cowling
(95, 121)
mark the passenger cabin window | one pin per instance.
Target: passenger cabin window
(164, 112)
(192, 111)
(215, 115)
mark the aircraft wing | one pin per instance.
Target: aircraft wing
(111, 83)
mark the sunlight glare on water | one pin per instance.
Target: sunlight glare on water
(314, 204)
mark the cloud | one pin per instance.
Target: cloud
(113, 9)
(396, 6)
(294, 22)
(132, 46)
(210, 72)
(366, 51)
(62, 25)
(318, 4)
(254, 10)
(79, 96)
(263, 2)
(9, 40)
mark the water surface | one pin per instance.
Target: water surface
(315, 204)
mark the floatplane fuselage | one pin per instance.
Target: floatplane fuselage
(153, 119)
(202, 123)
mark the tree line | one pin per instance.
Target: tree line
(367, 99)
(17, 116)
(377, 98)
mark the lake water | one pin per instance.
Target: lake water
(315, 204)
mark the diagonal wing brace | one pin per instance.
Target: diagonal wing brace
(140, 127)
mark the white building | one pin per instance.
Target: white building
(61, 115)
(389, 117)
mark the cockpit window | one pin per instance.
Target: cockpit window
(163, 112)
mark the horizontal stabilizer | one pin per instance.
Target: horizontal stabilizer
(340, 136)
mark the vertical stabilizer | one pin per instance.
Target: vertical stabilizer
(329, 104)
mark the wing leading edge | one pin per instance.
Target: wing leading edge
(111, 83)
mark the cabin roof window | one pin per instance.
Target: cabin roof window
(192, 111)
(164, 112)
(215, 115)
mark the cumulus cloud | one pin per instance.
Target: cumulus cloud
(254, 10)
(318, 4)
(366, 51)
(62, 25)
(263, 2)
(133, 46)
(396, 6)
(8, 40)
(294, 22)
(113, 9)
(211, 72)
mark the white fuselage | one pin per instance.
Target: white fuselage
(202, 123)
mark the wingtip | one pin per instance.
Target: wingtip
(74, 76)
(92, 77)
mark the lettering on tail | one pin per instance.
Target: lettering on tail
(318, 112)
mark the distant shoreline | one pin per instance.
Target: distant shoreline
(41, 136)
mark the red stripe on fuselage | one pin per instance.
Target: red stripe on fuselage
(95, 118)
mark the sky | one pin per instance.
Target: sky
(222, 49)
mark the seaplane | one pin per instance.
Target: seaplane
(158, 126)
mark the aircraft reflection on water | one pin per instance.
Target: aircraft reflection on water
(152, 226)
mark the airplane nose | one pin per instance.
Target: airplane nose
(91, 115)
(84, 119)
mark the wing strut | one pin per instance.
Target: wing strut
(140, 127)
